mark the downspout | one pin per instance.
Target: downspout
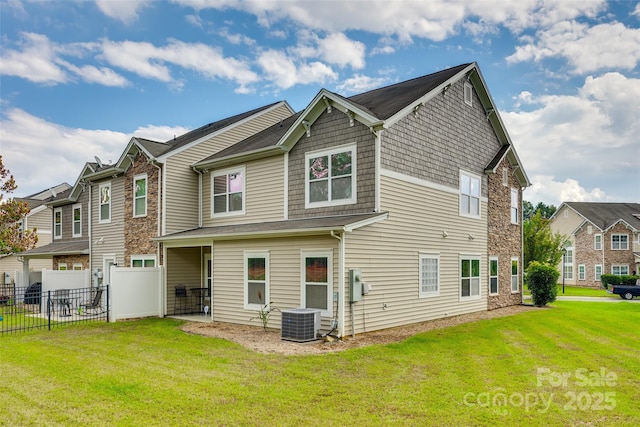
(160, 211)
(377, 159)
(341, 283)
(522, 243)
(199, 195)
(90, 231)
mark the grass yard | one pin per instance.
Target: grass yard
(573, 364)
(575, 291)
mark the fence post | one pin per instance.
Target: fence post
(108, 286)
(49, 309)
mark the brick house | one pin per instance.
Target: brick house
(414, 189)
(604, 239)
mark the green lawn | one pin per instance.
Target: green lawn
(575, 291)
(573, 364)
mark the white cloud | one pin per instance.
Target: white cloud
(285, 71)
(104, 76)
(360, 83)
(36, 61)
(592, 135)
(66, 149)
(586, 48)
(340, 50)
(546, 189)
(236, 38)
(125, 11)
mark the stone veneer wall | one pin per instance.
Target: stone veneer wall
(70, 260)
(505, 238)
(138, 232)
(584, 253)
(613, 257)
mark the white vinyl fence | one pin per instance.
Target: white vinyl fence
(135, 292)
(65, 279)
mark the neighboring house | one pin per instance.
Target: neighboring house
(39, 218)
(414, 189)
(69, 222)
(604, 238)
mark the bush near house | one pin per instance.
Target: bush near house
(612, 279)
(541, 280)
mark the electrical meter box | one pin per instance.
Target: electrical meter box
(355, 284)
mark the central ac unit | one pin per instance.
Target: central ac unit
(300, 324)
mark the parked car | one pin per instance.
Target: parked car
(626, 292)
(33, 293)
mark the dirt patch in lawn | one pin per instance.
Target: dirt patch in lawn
(269, 341)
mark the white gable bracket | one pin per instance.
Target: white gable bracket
(326, 101)
(307, 127)
(352, 116)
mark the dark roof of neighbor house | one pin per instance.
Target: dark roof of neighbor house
(292, 226)
(75, 247)
(604, 215)
(381, 103)
(45, 196)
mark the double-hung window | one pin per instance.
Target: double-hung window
(228, 189)
(514, 275)
(77, 220)
(62, 266)
(597, 242)
(514, 206)
(57, 223)
(317, 280)
(469, 277)
(469, 195)
(568, 264)
(330, 177)
(104, 192)
(620, 270)
(619, 242)
(140, 195)
(598, 272)
(256, 280)
(493, 275)
(429, 275)
(582, 272)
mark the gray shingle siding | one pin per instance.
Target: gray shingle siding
(330, 130)
(444, 136)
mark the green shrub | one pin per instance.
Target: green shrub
(612, 280)
(541, 280)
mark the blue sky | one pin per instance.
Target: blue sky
(78, 79)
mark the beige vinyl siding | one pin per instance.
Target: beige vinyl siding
(264, 198)
(285, 276)
(10, 264)
(181, 191)
(387, 253)
(185, 270)
(567, 225)
(112, 234)
(42, 221)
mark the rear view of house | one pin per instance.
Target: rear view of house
(395, 206)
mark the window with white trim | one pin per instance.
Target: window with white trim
(619, 242)
(104, 193)
(77, 220)
(317, 281)
(143, 261)
(515, 286)
(514, 206)
(429, 275)
(77, 266)
(568, 264)
(468, 93)
(330, 177)
(469, 277)
(493, 275)
(62, 266)
(620, 270)
(582, 272)
(597, 270)
(256, 280)
(57, 223)
(228, 192)
(589, 229)
(469, 194)
(140, 195)
(597, 242)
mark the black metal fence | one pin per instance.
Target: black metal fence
(27, 308)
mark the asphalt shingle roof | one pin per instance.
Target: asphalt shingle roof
(604, 215)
